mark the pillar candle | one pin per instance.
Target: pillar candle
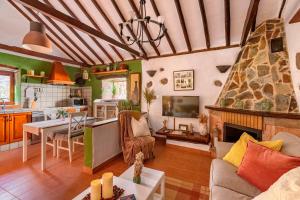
(107, 185)
(96, 189)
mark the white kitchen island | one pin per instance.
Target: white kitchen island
(101, 144)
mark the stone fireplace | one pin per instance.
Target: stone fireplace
(232, 132)
(258, 96)
(261, 76)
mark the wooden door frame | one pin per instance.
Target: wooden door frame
(12, 86)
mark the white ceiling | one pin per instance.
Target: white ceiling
(14, 26)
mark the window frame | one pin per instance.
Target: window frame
(12, 86)
(113, 77)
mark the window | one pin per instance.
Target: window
(114, 88)
(7, 86)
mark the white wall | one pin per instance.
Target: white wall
(293, 44)
(205, 72)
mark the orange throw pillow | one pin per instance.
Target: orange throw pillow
(262, 166)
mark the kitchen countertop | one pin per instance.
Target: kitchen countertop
(100, 123)
(24, 110)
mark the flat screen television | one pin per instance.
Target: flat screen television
(180, 106)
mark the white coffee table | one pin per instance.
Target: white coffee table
(150, 178)
(141, 192)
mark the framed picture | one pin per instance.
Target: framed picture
(183, 127)
(135, 88)
(183, 80)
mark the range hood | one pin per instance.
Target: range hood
(59, 76)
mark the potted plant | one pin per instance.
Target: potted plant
(61, 114)
(114, 91)
(149, 96)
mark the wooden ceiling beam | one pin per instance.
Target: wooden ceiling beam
(50, 38)
(296, 17)
(128, 27)
(61, 31)
(166, 34)
(39, 55)
(227, 21)
(65, 35)
(98, 28)
(100, 10)
(250, 18)
(196, 51)
(136, 11)
(51, 12)
(93, 38)
(77, 35)
(183, 26)
(253, 27)
(281, 8)
(204, 22)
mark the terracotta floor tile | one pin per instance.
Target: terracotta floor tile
(187, 168)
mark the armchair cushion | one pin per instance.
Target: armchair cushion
(140, 127)
(132, 145)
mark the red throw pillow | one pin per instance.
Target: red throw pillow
(262, 166)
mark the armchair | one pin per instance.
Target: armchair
(132, 145)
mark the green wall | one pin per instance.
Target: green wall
(25, 64)
(133, 66)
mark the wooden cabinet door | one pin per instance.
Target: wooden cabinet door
(16, 122)
(4, 129)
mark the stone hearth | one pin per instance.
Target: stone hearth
(260, 77)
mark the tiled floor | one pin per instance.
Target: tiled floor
(62, 180)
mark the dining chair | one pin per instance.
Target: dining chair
(51, 115)
(72, 134)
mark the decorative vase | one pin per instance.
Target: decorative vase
(135, 94)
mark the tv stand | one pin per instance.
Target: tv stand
(194, 137)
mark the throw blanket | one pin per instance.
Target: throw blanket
(287, 187)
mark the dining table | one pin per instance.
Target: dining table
(44, 129)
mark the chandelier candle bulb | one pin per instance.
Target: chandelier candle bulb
(96, 189)
(107, 185)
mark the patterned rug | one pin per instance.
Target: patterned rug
(181, 190)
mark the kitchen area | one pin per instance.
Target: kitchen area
(51, 98)
(47, 90)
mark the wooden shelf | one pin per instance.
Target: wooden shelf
(109, 73)
(191, 137)
(35, 76)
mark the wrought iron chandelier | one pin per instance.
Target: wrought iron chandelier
(141, 24)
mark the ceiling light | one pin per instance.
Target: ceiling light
(140, 24)
(36, 39)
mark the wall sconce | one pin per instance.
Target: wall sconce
(151, 73)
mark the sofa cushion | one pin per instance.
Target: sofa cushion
(291, 143)
(262, 166)
(223, 174)
(237, 151)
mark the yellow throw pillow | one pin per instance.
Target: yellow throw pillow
(237, 151)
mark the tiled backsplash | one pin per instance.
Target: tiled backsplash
(52, 95)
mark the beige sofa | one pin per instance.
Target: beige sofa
(225, 184)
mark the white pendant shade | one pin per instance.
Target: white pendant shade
(36, 39)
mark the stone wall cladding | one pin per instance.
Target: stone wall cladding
(259, 76)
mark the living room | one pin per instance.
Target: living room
(149, 99)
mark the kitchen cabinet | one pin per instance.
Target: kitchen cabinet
(11, 127)
(4, 139)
